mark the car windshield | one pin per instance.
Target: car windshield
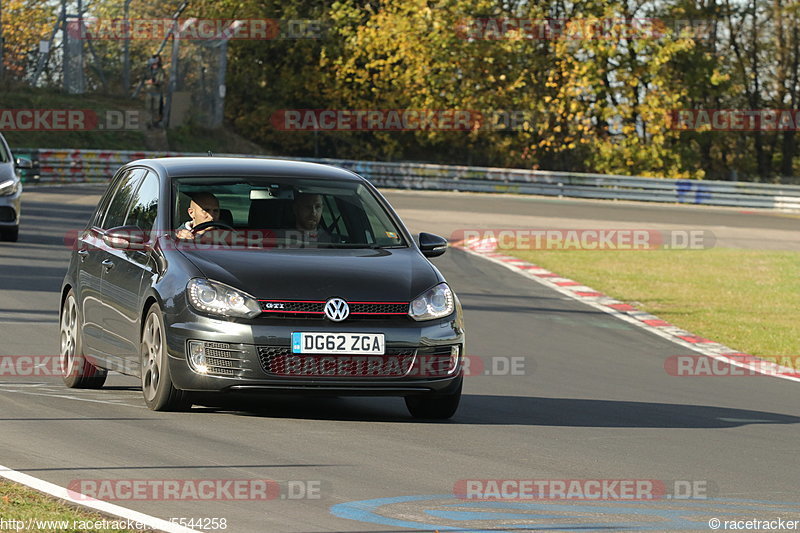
(289, 212)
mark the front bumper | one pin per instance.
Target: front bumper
(10, 207)
(242, 352)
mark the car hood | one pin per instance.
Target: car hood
(399, 274)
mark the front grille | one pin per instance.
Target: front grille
(7, 214)
(316, 309)
(224, 359)
(435, 350)
(434, 361)
(217, 362)
(372, 308)
(280, 361)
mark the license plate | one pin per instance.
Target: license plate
(346, 343)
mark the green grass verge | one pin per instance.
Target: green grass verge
(187, 138)
(19, 503)
(85, 140)
(745, 299)
(36, 98)
(190, 138)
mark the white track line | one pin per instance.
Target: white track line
(602, 302)
(97, 505)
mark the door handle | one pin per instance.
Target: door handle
(83, 254)
(107, 264)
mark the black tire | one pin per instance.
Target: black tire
(76, 371)
(434, 406)
(10, 235)
(159, 392)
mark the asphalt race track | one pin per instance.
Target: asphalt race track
(590, 400)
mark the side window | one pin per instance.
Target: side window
(145, 204)
(118, 207)
(102, 205)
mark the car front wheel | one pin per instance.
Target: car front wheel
(159, 392)
(77, 372)
(434, 406)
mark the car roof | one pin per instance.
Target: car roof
(213, 166)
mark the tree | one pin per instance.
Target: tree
(24, 24)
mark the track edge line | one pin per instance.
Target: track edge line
(579, 292)
(100, 506)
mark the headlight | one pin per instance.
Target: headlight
(434, 303)
(219, 299)
(9, 187)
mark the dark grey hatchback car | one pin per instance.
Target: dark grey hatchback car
(238, 274)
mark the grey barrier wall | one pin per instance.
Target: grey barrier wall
(72, 166)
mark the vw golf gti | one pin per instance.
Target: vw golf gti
(258, 275)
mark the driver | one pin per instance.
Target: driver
(204, 207)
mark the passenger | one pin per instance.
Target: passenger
(307, 210)
(204, 207)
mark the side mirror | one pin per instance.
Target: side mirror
(125, 238)
(21, 163)
(432, 245)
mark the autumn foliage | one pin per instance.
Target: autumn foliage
(592, 85)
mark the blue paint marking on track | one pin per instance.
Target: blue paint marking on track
(364, 511)
(529, 518)
(690, 515)
(484, 515)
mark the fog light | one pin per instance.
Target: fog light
(197, 357)
(455, 351)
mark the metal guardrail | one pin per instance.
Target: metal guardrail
(73, 166)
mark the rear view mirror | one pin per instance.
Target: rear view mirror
(432, 245)
(21, 162)
(260, 194)
(270, 194)
(125, 238)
